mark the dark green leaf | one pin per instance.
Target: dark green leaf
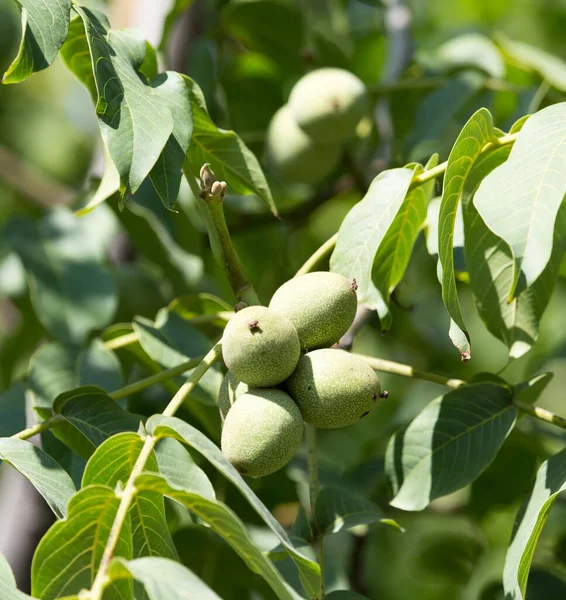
(226, 524)
(67, 558)
(448, 444)
(72, 291)
(187, 434)
(529, 391)
(364, 229)
(534, 182)
(13, 410)
(230, 159)
(8, 589)
(477, 132)
(163, 579)
(395, 249)
(44, 29)
(344, 595)
(47, 476)
(550, 481)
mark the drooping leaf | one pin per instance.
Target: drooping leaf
(187, 434)
(490, 264)
(477, 132)
(551, 68)
(13, 409)
(226, 524)
(162, 579)
(230, 159)
(47, 476)
(108, 186)
(44, 29)
(534, 180)
(394, 251)
(364, 229)
(338, 509)
(111, 465)
(550, 481)
(448, 444)
(8, 588)
(67, 557)
(94, 414)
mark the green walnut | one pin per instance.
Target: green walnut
(321, 306)
(262, 432)
(260, 346)
(333, 388)
(328, 104)
(230, 390)
(293, 155)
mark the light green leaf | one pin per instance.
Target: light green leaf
(534, 181)
(13, 409)
(394, 251)
(72, 291)
(226, 524)
(364, 229)
(448, 444)
(179, 468)
(8, 588)
(44, 29)
(477, 132)
(550, 481)
(187, 434)
(338, 509)
(551, 68)
(108, 186)
(92, 412)
(163, 579)
(490, 264)
(230, 159)
(47, 476)
(67, 557)
(111, 464)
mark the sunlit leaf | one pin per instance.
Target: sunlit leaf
(44, 29)
(448, 444)
(47, 476)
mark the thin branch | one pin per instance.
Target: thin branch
(127, 496)
(363, 315)
(39, 428)
(318, 256)
(541, 414)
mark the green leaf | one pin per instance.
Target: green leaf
(179, 468)
(94, 414)
(72, 291)
(187, 434)
(490, 264)
(226, 524)
(146, 126)
(163, 579)
(477, 132)
(530, 390)
(44, 29)
(13, 410)
(364, 229)
(338, 509)
(230, 159)
(67, 557)
(550, 68)
(108, 186)
(47, 476)
(550, 481)
(394, 251)
(534, 182)
(448, 444)
(8, 588)
(344, 595)
(177, 9)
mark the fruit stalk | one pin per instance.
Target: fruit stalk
(314, 487)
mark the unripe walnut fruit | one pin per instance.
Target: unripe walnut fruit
(262, 432)
(321, 306)
(230, 390)
(328, 104)
(295, 156)
(333, 388)
(260, 346)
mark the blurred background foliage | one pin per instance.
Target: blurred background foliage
(246, 56)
